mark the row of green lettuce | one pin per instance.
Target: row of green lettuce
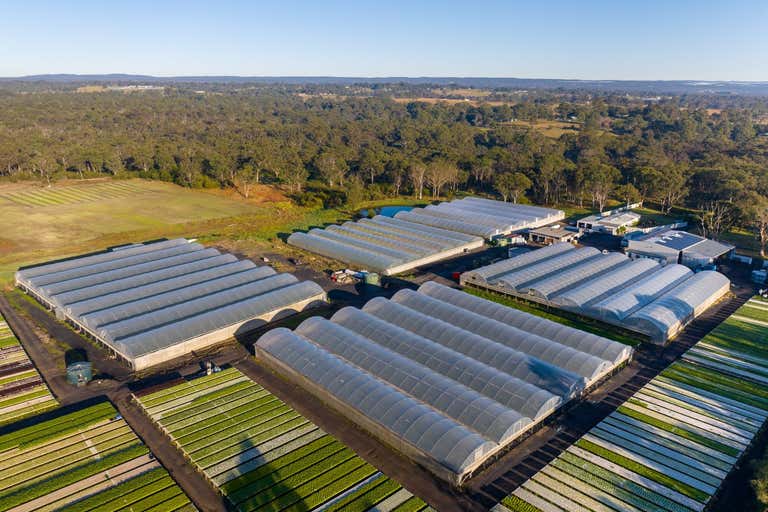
(670, 446)
(263, 455)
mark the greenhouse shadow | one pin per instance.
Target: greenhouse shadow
(261, 490)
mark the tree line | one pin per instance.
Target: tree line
(327, 148)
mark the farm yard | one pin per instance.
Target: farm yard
(670, 446)
(262, 455)
(87, 460)
(22, 390)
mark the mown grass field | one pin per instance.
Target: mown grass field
(50, 223)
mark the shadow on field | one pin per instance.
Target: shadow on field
(260, 486)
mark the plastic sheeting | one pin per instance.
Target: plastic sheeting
(246, 310)
(517, 279)
(386, 246)
(518, 364)
(547, 287)
(668, 313)
(641, 293)
(518, 395)
(407, 419)
(465, 405)
(493, 271)
(147, 298)
(613, 281)
(588, 366)
(580, 340)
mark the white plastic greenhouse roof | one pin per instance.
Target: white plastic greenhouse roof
(482, 217)
(682, 303)
(148, 298)
(385, 245)
(479, 379)
(609, 287)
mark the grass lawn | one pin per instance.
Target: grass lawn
(563, 317)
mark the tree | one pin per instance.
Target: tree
(245, 178)
(601, 180)
(628, 193)
(438, 174)
(332, 168)
(511, 185)
(756, 216)
(417, 172)
(716, 217)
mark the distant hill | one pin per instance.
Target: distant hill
(628, 86)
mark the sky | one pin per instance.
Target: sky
(573, 39)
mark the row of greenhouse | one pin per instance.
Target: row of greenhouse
(150, 303)
(422, 235)
(263, 455)
(670, 446)
(447, 378)
(641, 295)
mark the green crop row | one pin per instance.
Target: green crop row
(29, 394)
(315, 478)
(322, 489)
(740, 336)
(19, 414)
(642, 470)
(576, 467)
(232, 416)
(188, 387)
(412, 504)
(368, 495)
(234, 394)
(516, 504)
(74, 474)
(219, 441)
(711, 384)
(18, 376)
(716, 377)
(321, 460)
(753, 312)
(293, 457)
(57, 427)
(148, 480)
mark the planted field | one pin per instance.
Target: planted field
(22, 390)
(262, 455)
(670, 446)
(86, 460)
(53, 196)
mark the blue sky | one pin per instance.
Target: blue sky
(586, 39)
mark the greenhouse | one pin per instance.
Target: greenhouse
(640, 295)
(399, 365)
(385, 245)
(482, 217)
(150, 303)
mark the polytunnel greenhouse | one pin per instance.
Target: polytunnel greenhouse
(419, 358)
(640, 295)
(150, 303)
(482, 217)
(385, 245)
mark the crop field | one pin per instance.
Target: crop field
(66, 220)
(54, 196)
(22, 390)
(670, 446)
(83, 461)
(264, 456)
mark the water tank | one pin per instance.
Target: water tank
(80, 373)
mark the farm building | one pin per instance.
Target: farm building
(548, 235)
(150, 303)
(672, 246)
(640, 295)
(612, 222)
(482, 217)
(385, 245)
(444, 377)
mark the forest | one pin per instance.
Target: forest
(329, 145)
